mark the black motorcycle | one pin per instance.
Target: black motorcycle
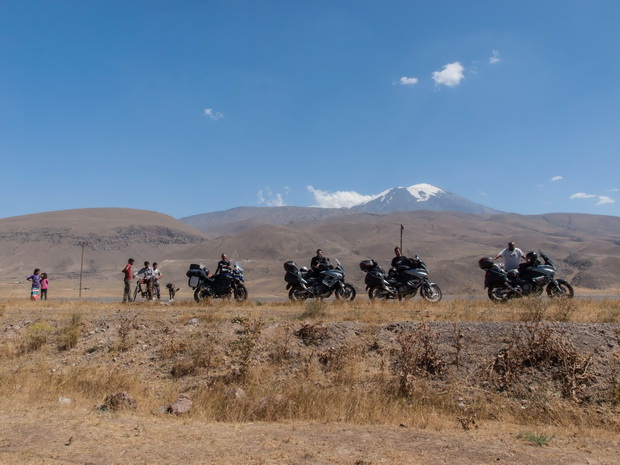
(303, 284)
(400, 283)
(222, 285)
(529, 279)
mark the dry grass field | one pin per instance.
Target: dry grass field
(463, 381)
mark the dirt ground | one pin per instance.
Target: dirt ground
(70, 435)
(73, 431)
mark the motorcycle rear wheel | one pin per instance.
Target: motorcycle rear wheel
(298, 293)
(431, 293)
(198, 295)
(347, 293)
(499, 294)
(562, 291)
(378, 293)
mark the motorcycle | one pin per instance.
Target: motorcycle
(222, 285)
(303, 284)
(400, 283)
(529, 280)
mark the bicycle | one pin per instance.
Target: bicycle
(142, 290)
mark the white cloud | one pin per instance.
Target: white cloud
(556, 178)
(451, 75)
(494, 59)
(582, 195)
(268, 198)
(338, 199)
(408, 81)
(214, 115)
(603, 199)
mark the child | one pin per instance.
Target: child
(36, 284)
(44, 286)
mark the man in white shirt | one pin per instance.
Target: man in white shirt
(157, 275)
(512, 256)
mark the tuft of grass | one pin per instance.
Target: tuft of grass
(536, 439)
(37, 335)
(70, 333)
(314, 308)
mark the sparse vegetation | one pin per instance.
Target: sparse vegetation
(536, 439)
(266, 365)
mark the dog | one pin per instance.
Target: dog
(172, 291)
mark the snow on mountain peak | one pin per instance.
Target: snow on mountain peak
(423, 192)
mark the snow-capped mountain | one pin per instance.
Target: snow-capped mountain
(420, 197)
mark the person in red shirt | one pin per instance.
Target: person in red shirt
(128, 276)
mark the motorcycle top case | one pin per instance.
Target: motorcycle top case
(373, 279)
(290, 266)
(198, 272)
(367, 265)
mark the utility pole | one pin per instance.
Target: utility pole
(82, 244)
(401, 236)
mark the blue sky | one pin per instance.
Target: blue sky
(192, 106)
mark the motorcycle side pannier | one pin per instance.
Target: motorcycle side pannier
(193, 282)
(367, 265)
(373, 279)
(291, 277)
(494, 276)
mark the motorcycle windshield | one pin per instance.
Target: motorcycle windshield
(239, 267)
(339, 265)
(547, 260)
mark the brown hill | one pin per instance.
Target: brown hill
(586, 248)
(51, 241)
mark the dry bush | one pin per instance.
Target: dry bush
(70, 333)
(540, 347)
(312, 334)
(242, 348)
(189, 355)
(125, 326)
(418, 356)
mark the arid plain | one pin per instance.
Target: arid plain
(462, 381)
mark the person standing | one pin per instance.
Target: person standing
(128, 276)
(511, 255)
(223, 266)
(44, 286)
(35, 278)
(157, 275)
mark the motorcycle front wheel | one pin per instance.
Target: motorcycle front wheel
(431, 293)
(562, 291)
(499, 294)
(241, 293)
(347, 293)
(298, 293)
(378, 293)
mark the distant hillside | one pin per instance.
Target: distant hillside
(241, 218)
(586, 248)
(51, 240)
